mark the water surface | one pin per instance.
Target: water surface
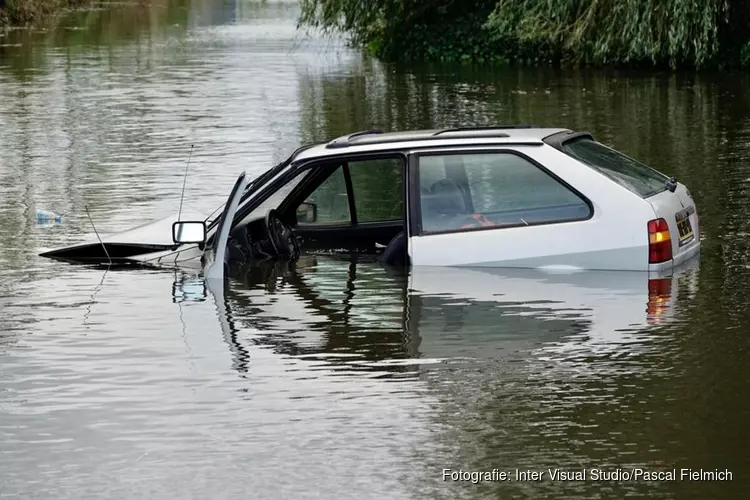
(338, 379)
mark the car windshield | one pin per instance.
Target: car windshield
(629, 173)
(252, 187)
(275, 199)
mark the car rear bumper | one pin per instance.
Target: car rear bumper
(678, 260)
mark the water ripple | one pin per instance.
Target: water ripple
(339, 379)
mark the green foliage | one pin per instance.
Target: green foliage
(671, 33)
(24, 12)
(408, 29)
(674, 32)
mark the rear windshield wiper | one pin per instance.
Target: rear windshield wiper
(671, 184)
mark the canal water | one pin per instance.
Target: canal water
(340, 380)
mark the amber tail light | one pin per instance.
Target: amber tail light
(659, 241)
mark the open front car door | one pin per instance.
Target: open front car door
(214, 256)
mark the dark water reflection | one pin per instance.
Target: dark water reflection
(340, 379)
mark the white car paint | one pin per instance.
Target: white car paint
(615, 238)
(471, 138)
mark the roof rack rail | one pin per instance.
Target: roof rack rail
(343, 142)
(489, 127)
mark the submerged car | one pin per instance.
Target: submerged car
(517, 197)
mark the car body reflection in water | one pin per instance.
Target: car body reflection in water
(476, 369)
(360, 316)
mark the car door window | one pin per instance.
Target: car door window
(330, 200)
(378, 189)
(431, 170)
(492, 190)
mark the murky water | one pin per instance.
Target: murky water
(340, 380)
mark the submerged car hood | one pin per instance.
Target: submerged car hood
(150, 237)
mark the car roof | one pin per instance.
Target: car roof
(377, 140)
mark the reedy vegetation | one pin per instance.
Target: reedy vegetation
(674, 33)
(25, 12)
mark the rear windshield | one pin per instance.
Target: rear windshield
(629, 173)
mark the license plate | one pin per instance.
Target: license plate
(684, 228)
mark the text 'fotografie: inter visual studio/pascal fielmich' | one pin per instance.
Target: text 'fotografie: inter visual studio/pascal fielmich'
(634, 474)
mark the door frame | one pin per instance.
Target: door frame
(334, 162)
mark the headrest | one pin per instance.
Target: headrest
(445, 198)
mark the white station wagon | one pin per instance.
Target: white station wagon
(516, 197)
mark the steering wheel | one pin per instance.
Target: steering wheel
(281, 236)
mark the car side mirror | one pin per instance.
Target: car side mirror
(189, 232)
(307, 212)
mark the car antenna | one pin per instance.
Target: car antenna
(184, 181)
(97, 235)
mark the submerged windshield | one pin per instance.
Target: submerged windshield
(629, 173)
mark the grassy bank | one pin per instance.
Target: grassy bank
(655, 33)
(26, 12)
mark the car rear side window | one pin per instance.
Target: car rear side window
(475, 190)
(629, 173)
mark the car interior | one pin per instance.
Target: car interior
(293, 227)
